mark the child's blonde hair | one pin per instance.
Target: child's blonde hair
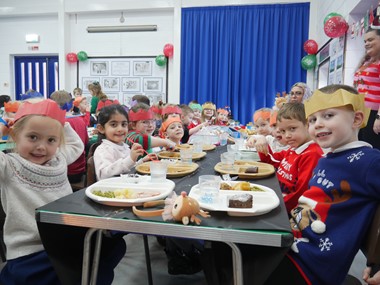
(292, 111)
(210, 106)
(97, 89)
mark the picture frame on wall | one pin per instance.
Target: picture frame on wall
(87, 80)
(142, 68)
(111, 84)
(99, 68)
(152, 84)
(120, 68)
(130, 84)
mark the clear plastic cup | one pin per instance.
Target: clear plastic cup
(158, 171)
(228, 160)
(186, 155)
(209, 186)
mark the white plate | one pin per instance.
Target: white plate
(143, 186)
(263, 201)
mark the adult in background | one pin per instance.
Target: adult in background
(299, 93)
(367, 81)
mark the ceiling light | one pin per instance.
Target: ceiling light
(118, 29)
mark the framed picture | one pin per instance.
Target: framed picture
(153, 84)
(155, 97)
(120, 68)
(113, 96)
(142, 68)
(111, 84)
(99, 68)
(127, 99)
(130, 84)
(86, 81)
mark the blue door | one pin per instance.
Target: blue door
(39, 73)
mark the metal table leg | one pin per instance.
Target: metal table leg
(237, 264)
(87, 254)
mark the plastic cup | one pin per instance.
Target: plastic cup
(223, 138)
(186, 155)
(209, 188)
(240, 143)
(198, 147)
(158, 170)
(228, 160)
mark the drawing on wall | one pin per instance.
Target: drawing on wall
(339, 62)
(127, 99)
(142, 68)
(332, 65)
(152, 84)
(86, 81)
(130, 84)
(111, 84)
(120, 68)
(99, 68)
(155, 98)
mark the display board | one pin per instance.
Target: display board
(123, 77)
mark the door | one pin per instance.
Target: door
(39, 73)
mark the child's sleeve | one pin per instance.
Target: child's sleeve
(278, 156)
(73, 147)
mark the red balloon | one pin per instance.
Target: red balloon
(335, 27)
(72, 57)
(310, 46)
(168, 50)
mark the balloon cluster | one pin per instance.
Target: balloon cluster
(168, 51)
(74, 57)
(335, 25)
(309, 61)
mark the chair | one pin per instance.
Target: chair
(79, 185)
(370, 248)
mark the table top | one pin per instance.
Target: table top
(271, 229)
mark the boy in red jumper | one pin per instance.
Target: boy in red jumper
(294, 165)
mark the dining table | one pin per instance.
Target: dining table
(67, 224)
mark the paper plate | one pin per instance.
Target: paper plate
(176, 155)
(240, 166)
(263, 201)
(176, 169)
(141, 192)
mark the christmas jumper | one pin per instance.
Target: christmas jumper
(112, 159)
(26, 186)
(333, 216)
(294, 169)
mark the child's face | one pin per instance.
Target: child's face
(197, 114)
(334, 127)
(39, 139)
(175, 131)
(293, 132)
(145, 127)
(77, 93)
(186, 119)
(174, 115)
(208, 112)
(262, 127)
(83, 105)
(222, 117)
(116, 129)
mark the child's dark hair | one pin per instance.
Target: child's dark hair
(106, 113)
(329, 89)
(292, 111)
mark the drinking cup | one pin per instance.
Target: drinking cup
(158, 170)
(209, 188)
(186, 155)
(228, 160)
(198, 147)
(223, 138)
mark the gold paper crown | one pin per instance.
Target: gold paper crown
(209, 106)
(320, 101)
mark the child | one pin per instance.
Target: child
(157, 111)
(197, 109)
(170, 111)
(261, 119)
(83, 108)
(172, 129)
(222, 117)
(208, 113)
(34, 175)
(77, 92)
(343, 192)
(141, 127)
(97, 95)
(113, 156)
(295, 165)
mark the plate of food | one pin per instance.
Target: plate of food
(175, 169)
(246, 169)
(205, 147)
(240, 198)
(116, 192)
(176, 155)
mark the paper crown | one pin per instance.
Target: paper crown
(320, 101)
(263, 114)
(209, 106)
(171, 110)
(156, 110)
(222, 111)
(140, 115)
(195, 106)
(47, 108)
(273, 118)
(168, 122)
(11, 107)
(78, 100)
(107, 102)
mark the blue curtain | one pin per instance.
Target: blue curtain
(241, 56)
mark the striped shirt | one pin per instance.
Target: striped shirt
(367, 81)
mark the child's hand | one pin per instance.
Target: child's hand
(375, 279)
(170, 145)
(149, 157)
(136, 151)
(262, 145)
(251, 142)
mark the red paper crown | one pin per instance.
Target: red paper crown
(156, 110)
(140, 115)
(107, 102)
(222, 111)
(48, 108)
(78, 100)
(11, 107)
(171, 110)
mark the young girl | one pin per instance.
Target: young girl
(172, 129)
(197, 110)
(113, 156)
(77, 92)
(34, 175)
(169, 111)
(208, 113)
(97, 95)
(222, 117)
(261, 119)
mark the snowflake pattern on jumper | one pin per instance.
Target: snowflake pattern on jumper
(325, 244)
(355, 156)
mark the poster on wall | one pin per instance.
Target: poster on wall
(336, 53)
(123, 77)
